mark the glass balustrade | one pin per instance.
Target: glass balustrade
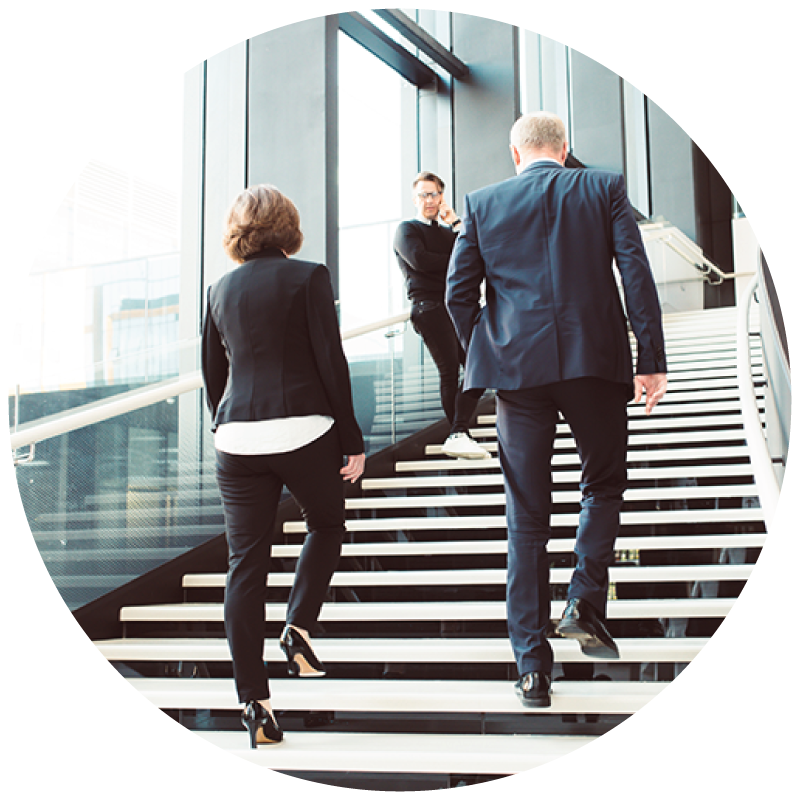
(114, 499)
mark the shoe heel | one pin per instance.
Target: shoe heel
(252, 725)
(302, 662)
(256, 720)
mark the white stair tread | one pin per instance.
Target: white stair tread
(654, 424)
(493, 577)
(402, 752)
(634, 439)
(499, 499)
(707, 406)
(432, 611)
(571, 459)
(566, 545)
(397, 696)
(561, 476)
(416, 651)
(673, 517)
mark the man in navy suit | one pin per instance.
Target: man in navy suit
(553, 338)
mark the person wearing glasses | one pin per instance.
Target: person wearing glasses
(423, 246)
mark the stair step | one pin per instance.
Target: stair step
(652, 424)
(703, 607)
(413, 651)
(703, 472)
(685, 409)
(635, 439)
(402, 696)
(486, 522)
(493, 577)
(571, 459)
(690, 541)
(405, 753)
(671, 493)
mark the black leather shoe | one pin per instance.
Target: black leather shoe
(581, 622)
(533, 689)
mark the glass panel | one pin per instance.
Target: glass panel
(105, 504)
(545, 77)
(105, 285)
(370, 186)
(98, 316)
(395, 385)
(636, 156)
(111, 501)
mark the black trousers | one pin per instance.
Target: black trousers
(432, 322)
(596, 411)
(251, 488)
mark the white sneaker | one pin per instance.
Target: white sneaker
(462, 445)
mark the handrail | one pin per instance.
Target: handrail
(764, 473)
(353, 333)
(678, 245)
(101, 410)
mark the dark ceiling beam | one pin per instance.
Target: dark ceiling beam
(392, 54)
(420, 38)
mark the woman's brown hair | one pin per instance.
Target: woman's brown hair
(261, 217)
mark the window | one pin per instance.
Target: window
(103, 286)
(372, 180)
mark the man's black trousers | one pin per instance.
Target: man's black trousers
(596, 411)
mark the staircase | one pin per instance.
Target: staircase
(419, 693)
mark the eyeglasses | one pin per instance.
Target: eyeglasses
(428, 195)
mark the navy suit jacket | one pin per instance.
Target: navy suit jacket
(272, 347)
(544, 241)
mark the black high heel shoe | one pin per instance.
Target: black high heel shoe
(260, 725)
(303, 663)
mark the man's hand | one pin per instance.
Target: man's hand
(654, 386)
(446, 213)
(355, 466)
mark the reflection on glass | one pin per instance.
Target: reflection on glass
(370, 186)
(103, 287)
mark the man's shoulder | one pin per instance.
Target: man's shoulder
(604, 176)
(412, 225)
(486, 192)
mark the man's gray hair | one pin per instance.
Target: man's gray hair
(538, 131)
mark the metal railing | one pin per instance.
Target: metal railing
(764, 473)
(74, 419)
(683, 246)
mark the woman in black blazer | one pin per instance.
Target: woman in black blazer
(278, 387)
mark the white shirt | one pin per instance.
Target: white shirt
(269, 436)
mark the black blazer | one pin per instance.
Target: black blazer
(545, 241)
(272, 347)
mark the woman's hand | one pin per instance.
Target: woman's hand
(355, 466)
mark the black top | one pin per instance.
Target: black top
(423, 253)
(272, 347)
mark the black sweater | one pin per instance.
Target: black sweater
(423, 253)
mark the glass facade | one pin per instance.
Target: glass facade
(101, 316)
(371, 185)
(113, 282)
(102, 301)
